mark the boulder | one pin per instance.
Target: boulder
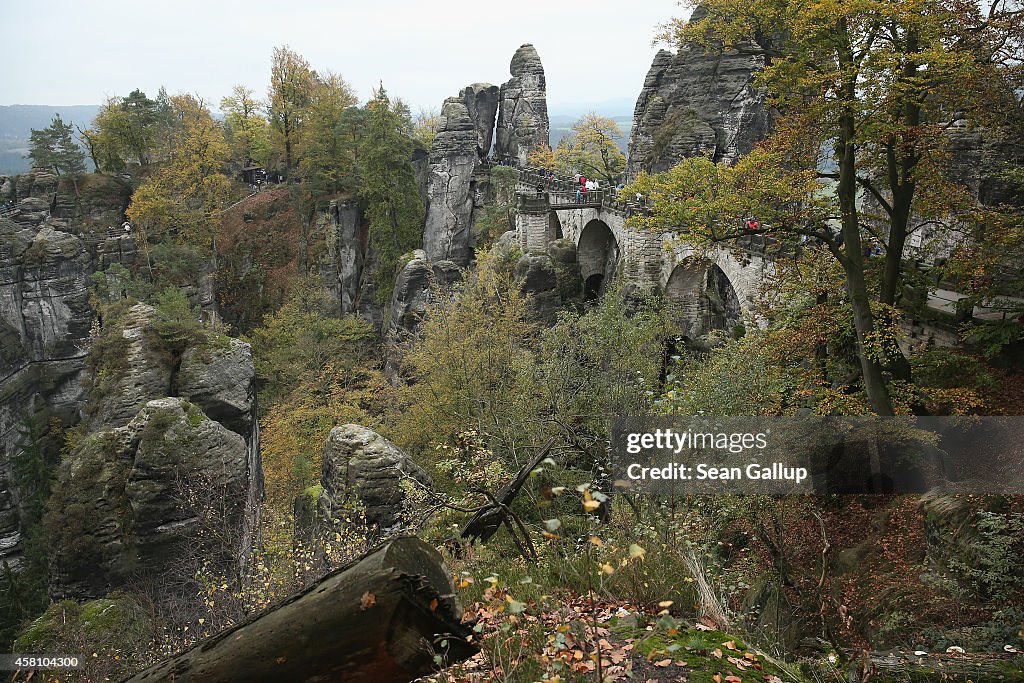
(221, 380)
(360, 461)
(412, 292)
(523, 110)
(126, 371)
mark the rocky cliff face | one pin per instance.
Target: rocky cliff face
(481, 100)
(698, 103)
(170, 468)
(50, 244)
(151, 497)
(523, 111)
(454, 159)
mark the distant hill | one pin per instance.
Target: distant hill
(561, 126)
(17, 122)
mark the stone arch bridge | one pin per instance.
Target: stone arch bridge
(715, 288)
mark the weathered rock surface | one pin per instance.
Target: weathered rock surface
(170, 469)
(552, 278)
(341, 264)
(360, 461)
(481, 100)
(412, 291)
(698, 103)
(164, 491)
(221, 381)
(127, 371)
(454, 158)
(523, 111)
(45, 267)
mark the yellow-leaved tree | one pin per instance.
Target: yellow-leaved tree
(865, 93)
(183, 198)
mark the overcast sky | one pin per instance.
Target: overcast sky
(63, 52)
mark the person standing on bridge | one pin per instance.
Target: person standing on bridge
(579, 194)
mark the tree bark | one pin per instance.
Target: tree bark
(381, 618)
(853, 264)
(886, 667)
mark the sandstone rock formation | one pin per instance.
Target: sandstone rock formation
(158, 495)
(412, 290)
(170, 426)
(454, 158)
(46, 261)
(523, 111)
(360, 461)
(481, 100)
(698, 103)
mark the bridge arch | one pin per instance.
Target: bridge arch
(555, 226)
(598, 254)
(708, 291)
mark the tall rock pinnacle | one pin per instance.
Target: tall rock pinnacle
(523, 111)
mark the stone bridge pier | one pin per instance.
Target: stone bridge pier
(707, 288)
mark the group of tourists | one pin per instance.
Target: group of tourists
(126, 230)
(583, 186)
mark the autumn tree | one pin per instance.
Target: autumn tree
(248, 129)
(127, 129)
(183, 198)
(388, 186)
(425, 126)
(592, 150)
(54, 148)
(867, 89)
(292, 82)
(315, 372)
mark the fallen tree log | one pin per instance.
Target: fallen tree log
(896, 667)
(381, 618)
(485, 523)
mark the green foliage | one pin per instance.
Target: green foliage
(116, 283)
(176, 323)
(183, 198)
(23, 593)
(991, 338)
(328, 153)
(994, 572)
(946, 368)
(55, 148)
(315, 372)
(472, 367)
(248, 131)
(31, 470)
(736, 378)
(603, 362)
(117, 628)
(291, 87)
(127, 130)
(388, 186)
(300, 338)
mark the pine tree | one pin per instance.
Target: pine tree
(388, 186)
(54, 147)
